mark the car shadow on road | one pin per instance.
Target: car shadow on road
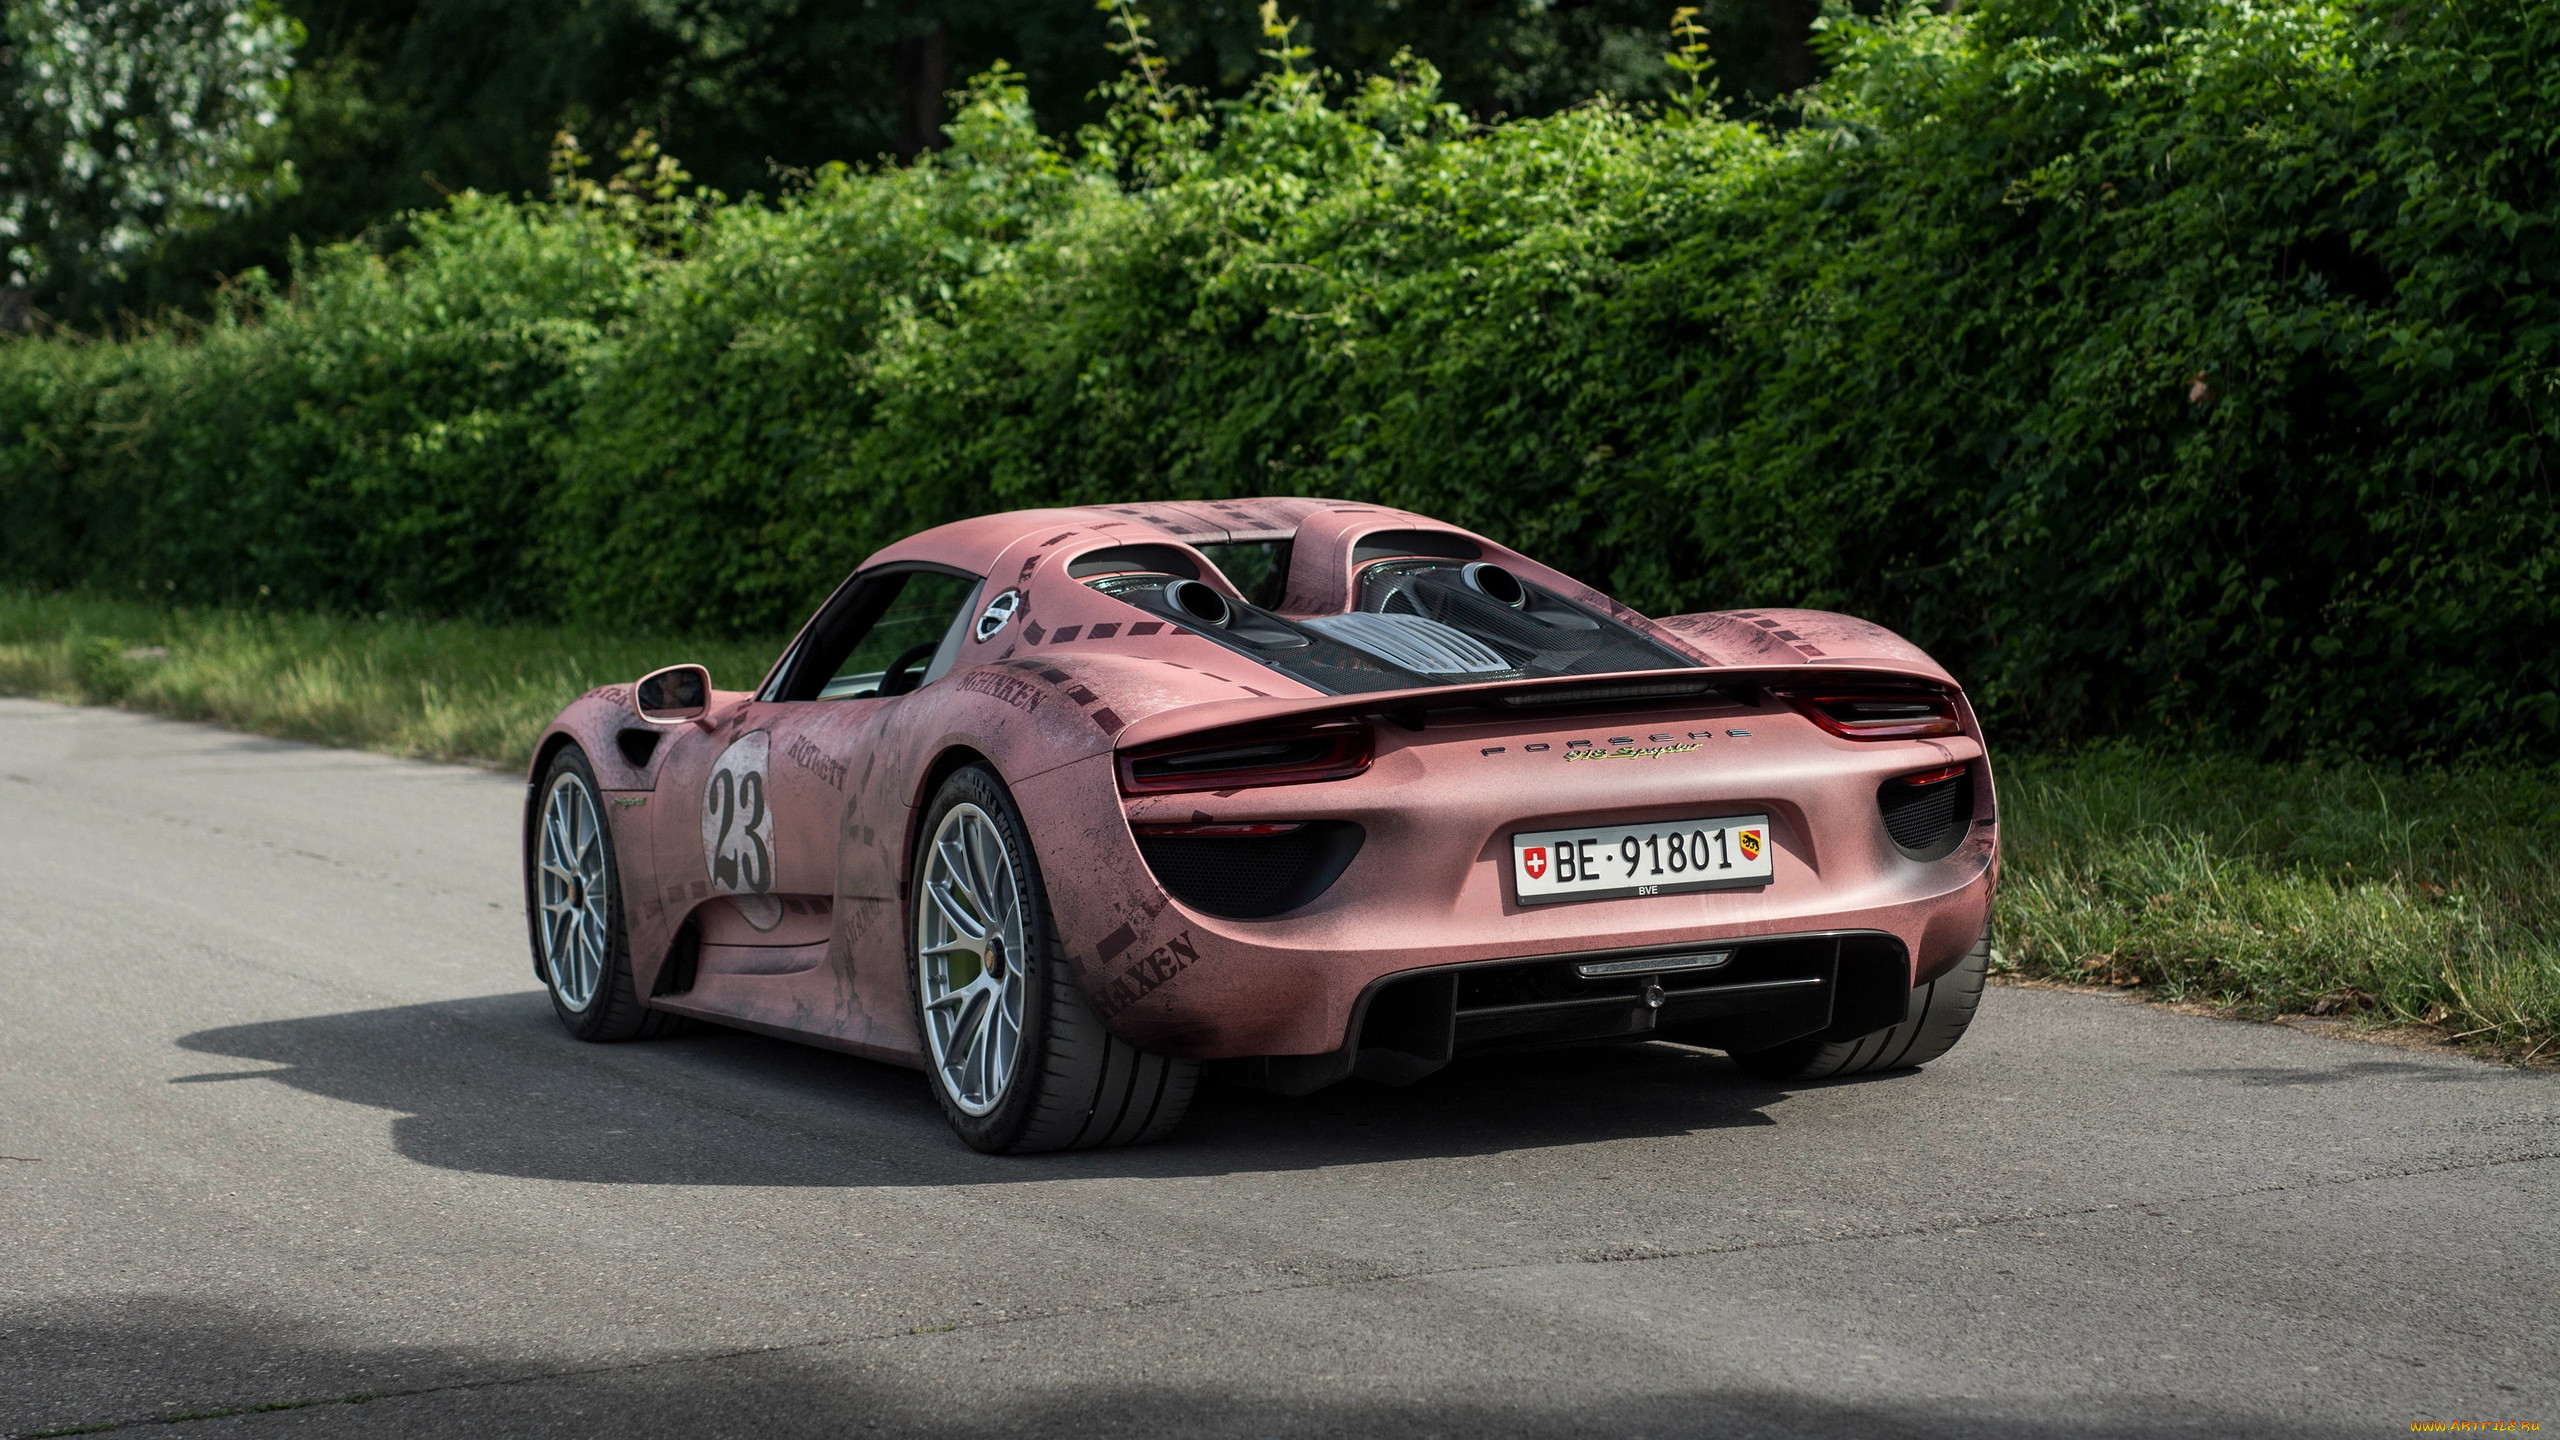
(491, 1085)
(186, 1365)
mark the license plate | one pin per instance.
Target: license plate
(1600, 862)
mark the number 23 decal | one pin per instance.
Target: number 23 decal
(737, 819)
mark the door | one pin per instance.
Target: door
(762, 795)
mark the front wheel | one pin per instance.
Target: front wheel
(578, 933)
(1936, 1019)
(1015, 1052)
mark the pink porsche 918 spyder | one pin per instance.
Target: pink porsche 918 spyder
(1059, 806)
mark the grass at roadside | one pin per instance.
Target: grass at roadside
(2427, 897)
(437, 690)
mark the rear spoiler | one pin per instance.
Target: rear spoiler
(1416, 709)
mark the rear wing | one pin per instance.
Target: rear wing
(1420, 708)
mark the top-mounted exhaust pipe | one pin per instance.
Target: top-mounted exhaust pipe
(1200, 602)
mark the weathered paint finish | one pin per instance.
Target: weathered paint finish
(819, 951)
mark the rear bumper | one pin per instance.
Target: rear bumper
(1427, 900)
(1764, 993)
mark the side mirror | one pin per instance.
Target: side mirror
(673, 695)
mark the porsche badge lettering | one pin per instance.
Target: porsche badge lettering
(737, 828)
(1583, 749)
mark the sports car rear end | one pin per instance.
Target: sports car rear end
(1353, 889)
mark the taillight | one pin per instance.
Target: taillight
(1879, 713)
(1243, 759)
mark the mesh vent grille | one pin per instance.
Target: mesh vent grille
(1927, 820)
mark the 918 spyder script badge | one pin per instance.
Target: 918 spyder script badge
(1631, 752)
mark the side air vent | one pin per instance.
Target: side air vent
(1928, 813)
(1249, 872)
(638, 746)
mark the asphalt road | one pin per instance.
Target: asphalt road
(287, 1121)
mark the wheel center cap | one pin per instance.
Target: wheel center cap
(995, 956)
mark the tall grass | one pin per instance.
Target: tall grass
(2422, 896)
(440, 690)
(2417, 896)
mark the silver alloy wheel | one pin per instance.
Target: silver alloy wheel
(970, 958)
(574, 921)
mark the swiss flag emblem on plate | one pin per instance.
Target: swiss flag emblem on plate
(1534, 860)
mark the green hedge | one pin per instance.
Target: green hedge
(2181, 368)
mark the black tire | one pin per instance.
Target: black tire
(1074, 1085)
(1940, 1011)
(615, 1010)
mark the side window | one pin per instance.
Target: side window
(885, 637)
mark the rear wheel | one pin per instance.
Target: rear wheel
(1014, 1050)
(578, 933)
(1939, 1012)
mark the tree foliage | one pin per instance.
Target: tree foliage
(2184, 369)
(122, 121)
(401, 102)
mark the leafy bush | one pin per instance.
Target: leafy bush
(2183, 368)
